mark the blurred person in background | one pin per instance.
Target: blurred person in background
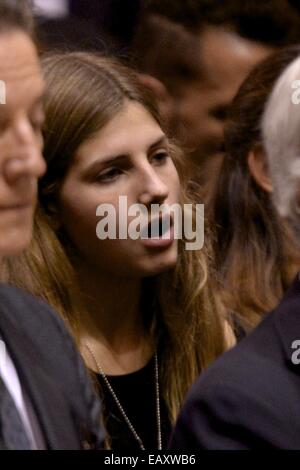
(62, 25)
(256, 257)
(102, 25)
(249, 398)
(195, 55)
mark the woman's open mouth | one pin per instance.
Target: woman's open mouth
(159, 232)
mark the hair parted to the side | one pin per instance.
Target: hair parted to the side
(281, 138)
(16, 14)
(84, 92)
(256, 257)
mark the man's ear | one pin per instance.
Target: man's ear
(161, 93)
(258, 167)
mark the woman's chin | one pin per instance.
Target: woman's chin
(161, 262)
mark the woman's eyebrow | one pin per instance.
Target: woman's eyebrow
(163, 140)
(108, 161)
(97, 164)
(100, 163)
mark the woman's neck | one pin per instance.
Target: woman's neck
(112, 324)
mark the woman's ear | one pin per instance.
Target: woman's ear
(258, 167)
(161, 93)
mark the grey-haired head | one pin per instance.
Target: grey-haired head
(281, 136)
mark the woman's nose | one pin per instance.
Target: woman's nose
(153, 188)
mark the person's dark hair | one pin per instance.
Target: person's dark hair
(167, 33)
(255, 255)
(274, 23)
(16, 14)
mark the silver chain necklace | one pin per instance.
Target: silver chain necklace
(122, 411)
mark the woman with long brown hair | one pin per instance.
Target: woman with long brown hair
(145, 315)
(256, 258)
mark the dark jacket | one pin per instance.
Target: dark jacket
(51, 372)
(250, 397)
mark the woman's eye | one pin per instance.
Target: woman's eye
(160, 157)
(109, 175)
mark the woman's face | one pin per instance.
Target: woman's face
(127, 157)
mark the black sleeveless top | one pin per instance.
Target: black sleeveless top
(137, 395)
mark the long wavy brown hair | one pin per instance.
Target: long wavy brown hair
(256, 258)
(84, 92)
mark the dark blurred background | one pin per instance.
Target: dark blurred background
(87, 24)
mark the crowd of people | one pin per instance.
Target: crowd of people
(140, 342)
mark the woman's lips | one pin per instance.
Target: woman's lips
(158, 233)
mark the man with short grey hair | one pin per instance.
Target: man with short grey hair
(46, 398)
(281, 124)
